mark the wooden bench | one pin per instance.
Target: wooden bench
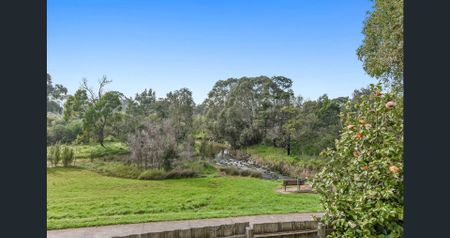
(298, 182)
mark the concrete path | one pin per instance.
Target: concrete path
(123, 230)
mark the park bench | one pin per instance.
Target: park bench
(298, 182)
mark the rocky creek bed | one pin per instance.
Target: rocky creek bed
(224, 159)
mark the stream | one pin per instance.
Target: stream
(226, 160)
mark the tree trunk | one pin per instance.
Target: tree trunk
(101, 137)
(288, 146)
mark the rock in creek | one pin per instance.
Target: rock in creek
(226, 160)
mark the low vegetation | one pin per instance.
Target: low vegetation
(86, 151)
(276, 159)
(79, 197)
(60, 153)
(187, 169)
(233, 171)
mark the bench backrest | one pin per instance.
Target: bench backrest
(294, 182)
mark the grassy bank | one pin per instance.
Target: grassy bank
(187, 169)
(78, 197)
(277, 159)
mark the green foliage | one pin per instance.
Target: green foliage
(91, 151)
(54, 154)
(62, 131)
(314, 125)
(362, 185)
(180, 107)
(382, 48)
(185, 169)
(233, 171)
(152, 174)
(181, 173)
(276, 159)
(55, 94)
(240, 110)
(98, 111)
(80, 198)
(67, 156)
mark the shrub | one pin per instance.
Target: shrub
(54, 154)
(361, 188)
(67, 156)
(152, 174)
(62, 131)
(230, 171)
(181, 173)
(233, 171)
(255, 174)
(245, 173)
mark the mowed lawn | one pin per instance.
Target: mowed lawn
(78, 198)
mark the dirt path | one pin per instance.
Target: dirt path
(123, 230)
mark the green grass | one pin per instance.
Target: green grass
(78, 198)
(111, 148)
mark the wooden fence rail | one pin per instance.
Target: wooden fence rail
(294, 229)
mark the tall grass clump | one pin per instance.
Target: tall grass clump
(67, 156)
(54, 154)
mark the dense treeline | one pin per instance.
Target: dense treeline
(238, 112)
(252, 110)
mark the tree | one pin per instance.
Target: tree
(96, 109)
(143, 104)
(361, 187)
(101, 114)
(180, 110)
(245, 111)
(382, 48)
(154, 146)
(55, 94)
(76, 105)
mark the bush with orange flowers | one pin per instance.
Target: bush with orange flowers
(361, 187)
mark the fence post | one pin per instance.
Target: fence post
(321, 230)
(249, 232)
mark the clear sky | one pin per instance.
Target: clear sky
(169, 44)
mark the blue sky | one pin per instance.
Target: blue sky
(169, 44)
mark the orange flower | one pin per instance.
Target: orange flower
(350, 126)
(359, 135)
(390, 104)
(394, 169)
(378, 93)
(365, 168)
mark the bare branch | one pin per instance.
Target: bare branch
(102, 83)
(85, 86)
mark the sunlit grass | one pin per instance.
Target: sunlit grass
(78, 197)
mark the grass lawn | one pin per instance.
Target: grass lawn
(78, 198)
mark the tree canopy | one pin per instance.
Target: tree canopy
(382, 49)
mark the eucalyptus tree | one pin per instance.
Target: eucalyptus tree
(382, 49)
(97, 109)
(243, 111)
(180, 107)
(55, 94)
